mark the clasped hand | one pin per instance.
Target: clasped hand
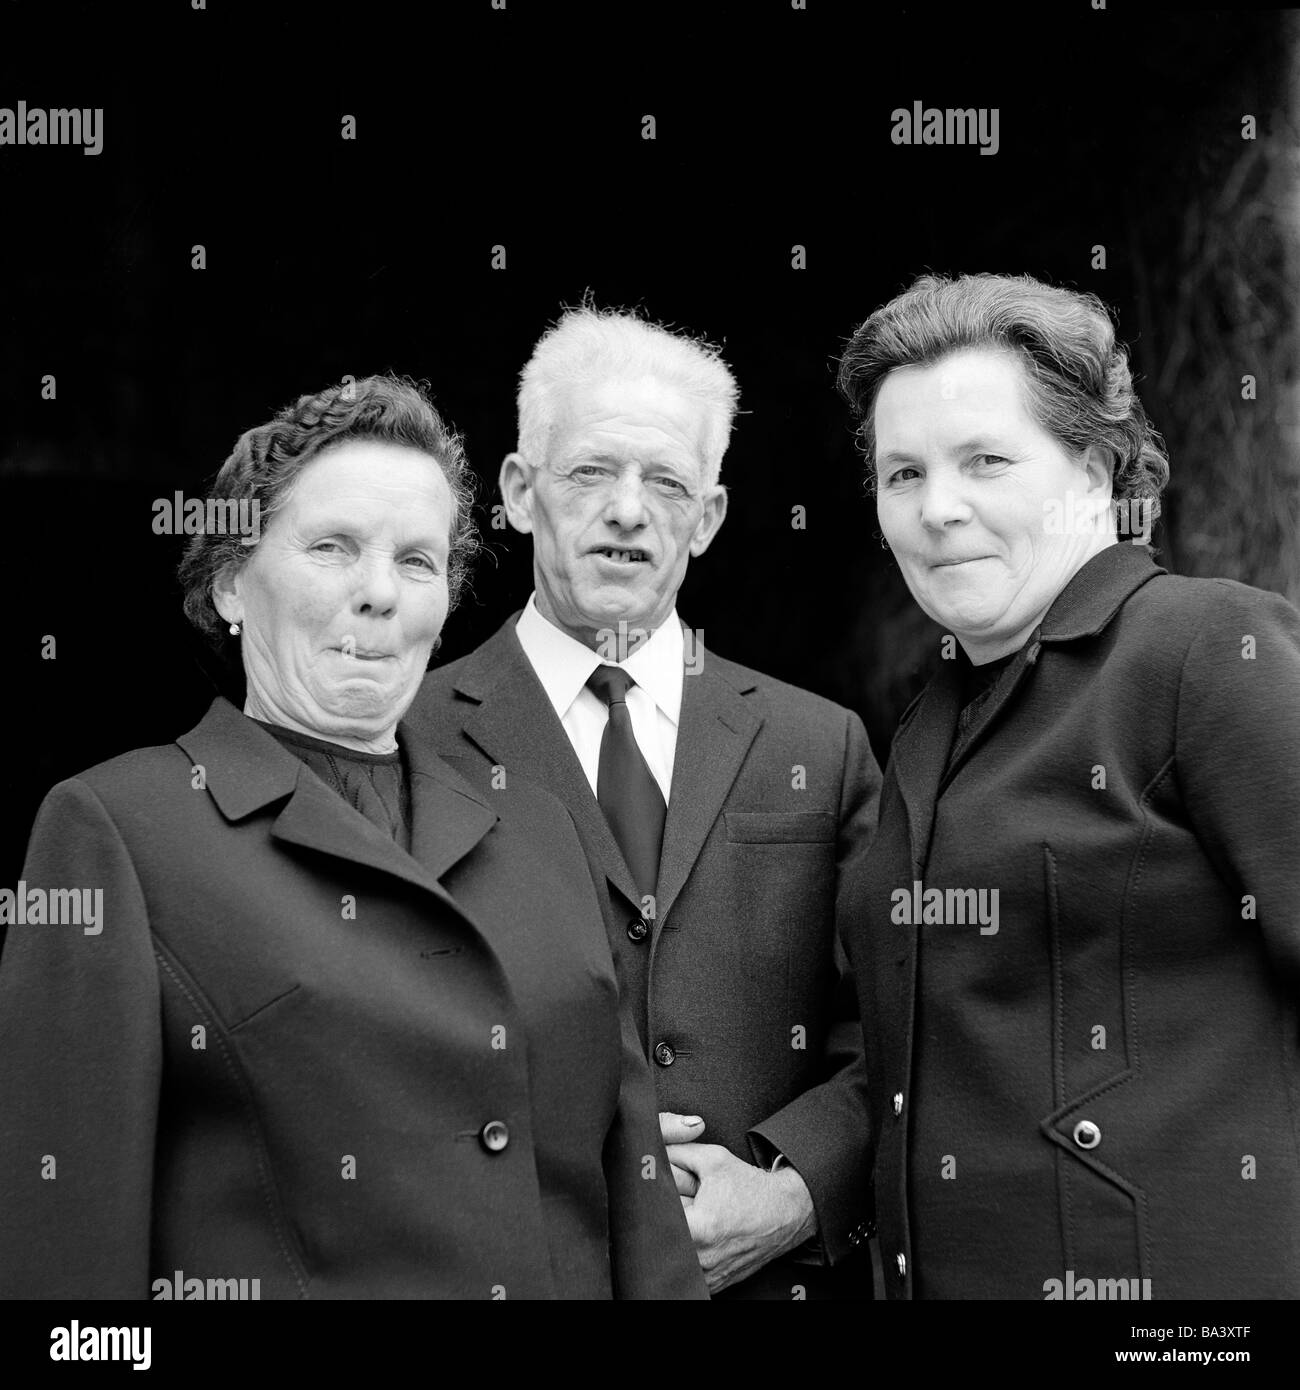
(740, 1216)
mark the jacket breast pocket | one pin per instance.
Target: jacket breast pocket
(780, 827)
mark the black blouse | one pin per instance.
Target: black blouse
(376, 784)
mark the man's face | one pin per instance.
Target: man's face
(617, 508)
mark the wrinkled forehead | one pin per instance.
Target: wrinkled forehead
(641, 419)
(368, 484)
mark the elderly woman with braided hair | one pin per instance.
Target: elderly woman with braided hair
(349, 1027)
(1081, 957)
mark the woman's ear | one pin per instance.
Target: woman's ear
(225, 594)
(1099, 467)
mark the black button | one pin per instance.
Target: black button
(664, 1055)
(638, 929)
(494, 1136)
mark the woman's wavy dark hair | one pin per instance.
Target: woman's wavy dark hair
(266, 462)
(1080, 387)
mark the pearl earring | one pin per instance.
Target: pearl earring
(234, 629)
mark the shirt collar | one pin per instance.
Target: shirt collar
(563, 664)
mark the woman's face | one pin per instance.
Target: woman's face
(346, 593)
(972, 494)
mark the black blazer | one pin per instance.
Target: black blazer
(299, 1054)
(1108, 1086)
(738, 989)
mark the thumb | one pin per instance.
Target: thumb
(679, 1129)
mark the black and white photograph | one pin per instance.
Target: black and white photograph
(654, 655)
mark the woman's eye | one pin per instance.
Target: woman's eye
(993, 460)
(902, 475)
(328, 547)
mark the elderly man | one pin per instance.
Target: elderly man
(725, 815)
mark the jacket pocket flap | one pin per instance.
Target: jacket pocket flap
(780, 827)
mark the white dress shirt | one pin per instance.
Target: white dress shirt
(654, 703)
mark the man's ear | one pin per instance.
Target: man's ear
(516, 484)
(225, 594)
(715, 513)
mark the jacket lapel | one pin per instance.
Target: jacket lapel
(1004, 688)
(510, 720)
(448, 818)
(714, 734)
(920, 754)
(922, 747)
(246, 770)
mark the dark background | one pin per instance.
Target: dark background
(522, 128)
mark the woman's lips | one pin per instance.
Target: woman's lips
(362, 654)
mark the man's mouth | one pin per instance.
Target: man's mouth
(622, 556)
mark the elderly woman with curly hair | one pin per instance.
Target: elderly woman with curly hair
(1080, 962)
(348, 1027)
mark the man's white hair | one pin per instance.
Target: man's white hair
(590, 345)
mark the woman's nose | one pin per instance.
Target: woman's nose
(377, 587)
(943, 502)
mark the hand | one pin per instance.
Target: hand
(681, 1129)
(740, 1217)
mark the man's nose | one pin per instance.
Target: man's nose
(625, 505)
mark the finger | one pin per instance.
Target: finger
(687, 1183)
(700, 1159)
(679, 1129)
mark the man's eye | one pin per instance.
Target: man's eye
(328, 546)
(993, 460)
(588, 470)
(420, 560)
(901, 475)
(671, 485)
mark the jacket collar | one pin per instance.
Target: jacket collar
(246, 770)
(1097, 592)
(925, 759)
(508, 716)
(717, 726)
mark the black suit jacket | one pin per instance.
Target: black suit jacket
(738, 990)
(1107, 1087)
(278, 1057)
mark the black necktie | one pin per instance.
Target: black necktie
(625, 786)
